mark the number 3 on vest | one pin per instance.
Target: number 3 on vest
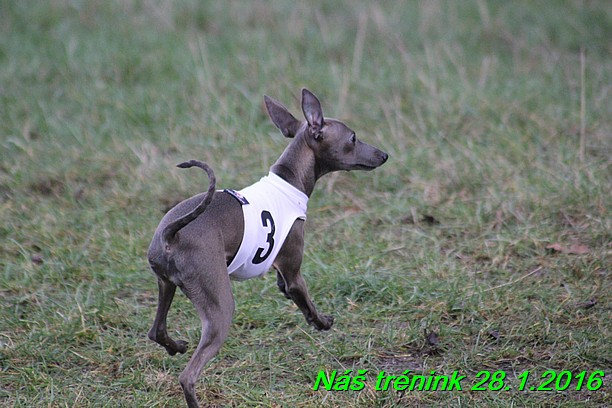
(266, 221)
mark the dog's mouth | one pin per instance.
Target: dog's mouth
(367, 165)
(364, 167)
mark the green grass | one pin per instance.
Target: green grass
(499, 137)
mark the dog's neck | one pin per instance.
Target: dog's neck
(298, 165)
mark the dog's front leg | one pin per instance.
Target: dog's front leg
(290, 280)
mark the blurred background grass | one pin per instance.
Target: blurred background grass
(489, 226)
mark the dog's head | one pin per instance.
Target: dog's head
(334, 144)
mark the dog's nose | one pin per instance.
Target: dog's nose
(385, 156)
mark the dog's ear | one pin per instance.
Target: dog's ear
(281, 117)
(312, 111)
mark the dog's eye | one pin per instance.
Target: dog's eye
(353, 138)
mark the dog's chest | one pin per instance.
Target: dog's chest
(270, 208)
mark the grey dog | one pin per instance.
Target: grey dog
(213, 237)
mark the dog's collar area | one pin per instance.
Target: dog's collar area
(294, 194)
(282, 186)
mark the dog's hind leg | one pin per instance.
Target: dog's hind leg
(159, 332)
(211, 294)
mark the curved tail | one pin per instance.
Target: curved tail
(175, 226)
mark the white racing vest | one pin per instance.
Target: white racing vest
(270, 208)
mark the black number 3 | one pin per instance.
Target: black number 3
(266, 221)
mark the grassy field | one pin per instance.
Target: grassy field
(483, 244)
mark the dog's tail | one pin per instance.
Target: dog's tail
(175, 226)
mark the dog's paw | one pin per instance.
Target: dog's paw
(181, 347)
(325, 322)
